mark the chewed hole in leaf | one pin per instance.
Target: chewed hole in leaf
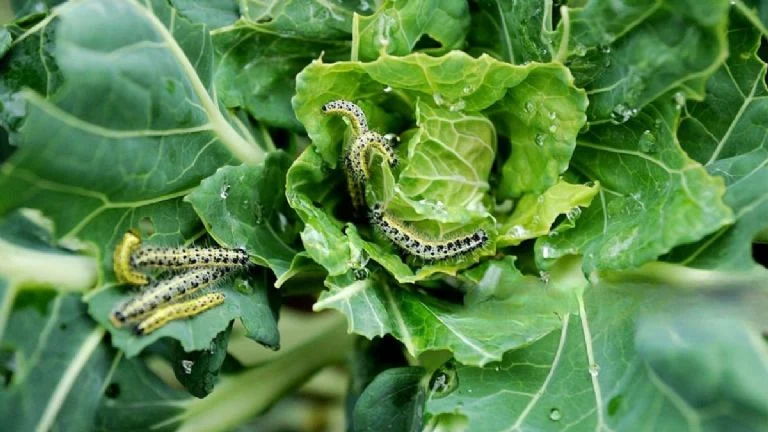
(146, 226)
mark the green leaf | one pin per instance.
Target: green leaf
(117, 146)
(516, 32)
(393, 401)
(247, 299)
(199, 370)
(476, 334)
(258, 57)
(725, 133)
(245, 206)
(644, 176)
(629, 53)
(541, 119)
(635, 356)
(22, 8)
(445, 195)
(534, 214)
(213, 13)
(397, 27)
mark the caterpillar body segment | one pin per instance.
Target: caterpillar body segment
(121, 260)
(185, 309)
(349, 110)
(361, 149)
(165, 292)
(429, 250)
(181, 258)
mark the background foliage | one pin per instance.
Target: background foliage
(614, 151)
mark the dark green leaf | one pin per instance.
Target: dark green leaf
(394, 401)
(199, 370)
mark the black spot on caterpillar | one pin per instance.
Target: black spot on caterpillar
(353, 113)
(166, 291)
(430, 250)
(185, 309)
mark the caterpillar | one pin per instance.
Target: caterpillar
(189, 308)
(356, 160)
(351, 112)
(366, 141)
(178, 258)
(164, 292)
(430, 250)
(121, 260)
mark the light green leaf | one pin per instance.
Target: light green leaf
(213, 13)
(629, 53)
(644, 176)
(245, 207)
(635, 356)
(726, 134)
(541, 118)
(534, 214)
(397, 27)
(476, 334)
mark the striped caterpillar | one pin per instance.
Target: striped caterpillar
(357, 156)
(164, 292)
(129, 257)
(429, 250)
(185, 309)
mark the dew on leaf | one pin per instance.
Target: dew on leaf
(605, 49)
(443, 381)
(647, 143)
(458, 106)
(552, 115)
(580, 50)
(438, 98)
(529, 106)
(548, 252)
(553, 128)
(224, 191)
(555, 414)
(544, 276)
(573, 214)
(468, 89)
(539, 140)
(594, 369)
(679, 98)
(388, 89)
(621, 113)
(187, 366)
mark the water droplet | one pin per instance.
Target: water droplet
(553, 128)
(544, 276)
(443, 381)
(187, 366)
(258, 214)
(552, 115)
(468, 89)
(573, 214)
(647, 142)
(622, 113)
(518, 231)
(224, 191)
(580, 50)
(553, 234)
(539, 140)
(555, 414)
(388, 89)
(548, 252)
(438, 98)
(360, 273)
(605, 49)
(458, 106)
(529, 106)
(594, 369)
(679, 98)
